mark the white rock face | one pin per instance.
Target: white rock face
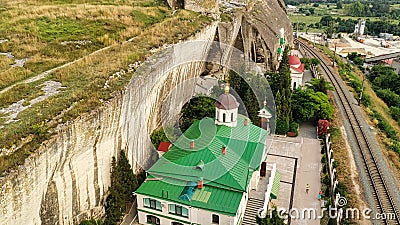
(67, 178)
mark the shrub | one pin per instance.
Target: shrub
(395, 112)
(326, 179)
(385, 126)
(158, 136)
(323, 159)
(335, 164)
(395, 146)
(282, 126)
(342, 189)
(388, 96)
(294, 127)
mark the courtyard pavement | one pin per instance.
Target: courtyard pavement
(299, 161)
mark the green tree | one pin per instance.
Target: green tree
(280, 84)
(157, 137)
(326, 20)
(196, 109)
(319, 85)
(389, 97)
(241, 84)
(395, 112)
(339, 4)
(123, 183)
(252, 106)
(308, 104)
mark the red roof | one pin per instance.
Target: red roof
(294, 60)
(300, 69)
(164, 146)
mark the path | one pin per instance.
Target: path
(131, 216)
(46, 73)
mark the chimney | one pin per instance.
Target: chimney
(200, 183)
(246, 122)
(192, 144)
(223, 150)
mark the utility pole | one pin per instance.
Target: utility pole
(314, 40)
(362, 87)
(334, 57)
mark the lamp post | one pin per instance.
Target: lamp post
(362, 86)
(334, 56)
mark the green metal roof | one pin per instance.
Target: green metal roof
(275, 185)
(219, 200)
(225, 177)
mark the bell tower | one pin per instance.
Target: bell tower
(226, 109)
(265, 115)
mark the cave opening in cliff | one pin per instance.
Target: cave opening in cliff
(239, 41)
(180, 4)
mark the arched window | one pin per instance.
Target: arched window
(153, 220)
(224, 117)
(231, 117)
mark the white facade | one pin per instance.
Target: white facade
(195, 215)
(297, 78)
(226, 117)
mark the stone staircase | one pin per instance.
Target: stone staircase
(252, 208)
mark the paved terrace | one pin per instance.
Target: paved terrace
(299, 162)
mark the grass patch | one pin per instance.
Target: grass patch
(66, 29)
(149, 17)
(20, 91)
(36, 30)
(5, 63)
(84, 83)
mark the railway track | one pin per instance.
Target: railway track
(382, 196)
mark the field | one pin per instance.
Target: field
(92, 35)
(324, 10)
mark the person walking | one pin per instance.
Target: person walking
(307, 188)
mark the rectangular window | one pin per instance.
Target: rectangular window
(153, 220)
(215, 219)
(152, 203)
(178, 210)
(146, 202)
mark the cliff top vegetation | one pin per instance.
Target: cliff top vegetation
(95, 47)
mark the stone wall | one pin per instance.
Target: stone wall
(66, 180)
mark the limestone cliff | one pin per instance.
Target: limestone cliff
(67, 178)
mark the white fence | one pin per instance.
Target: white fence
(332, 173)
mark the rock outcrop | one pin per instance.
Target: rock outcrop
(67, 178)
